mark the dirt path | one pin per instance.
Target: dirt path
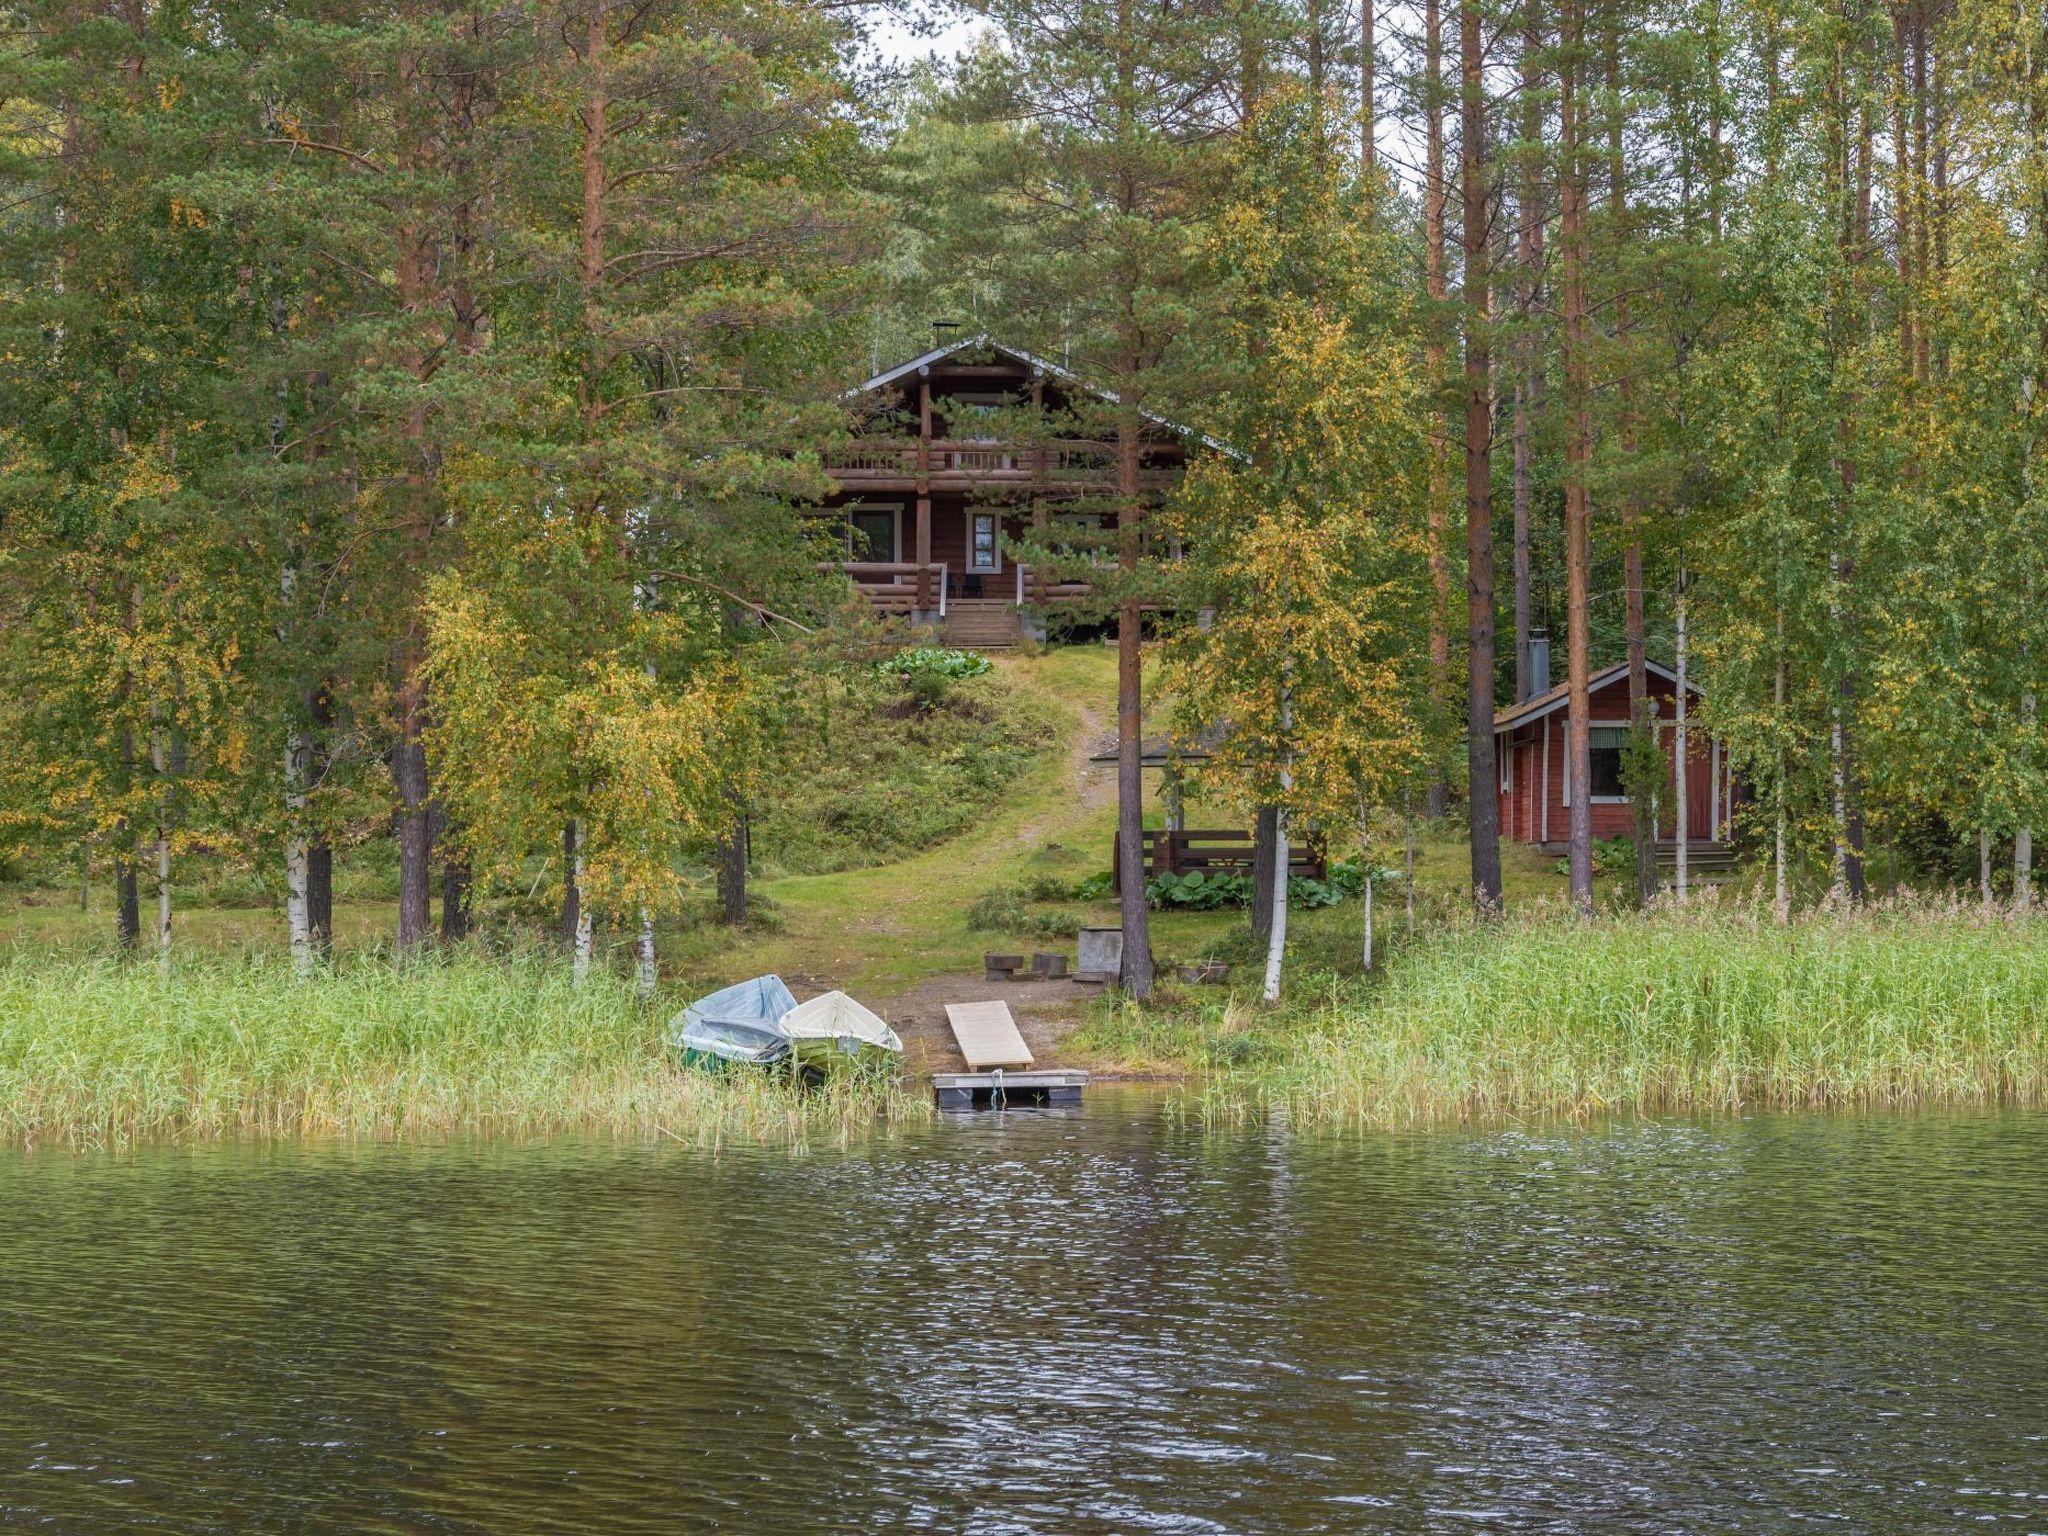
(1045, 1011)
(896, 935)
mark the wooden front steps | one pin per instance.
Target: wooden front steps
(981, 623)
(1703, 860)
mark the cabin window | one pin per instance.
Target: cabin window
(984, 541)
(1606, 742)
(871, 535)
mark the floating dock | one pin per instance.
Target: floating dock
(1015, 1090)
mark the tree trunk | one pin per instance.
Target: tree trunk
(571, 922)
(1578, 453)
(1528, 361)
(577, 909)
(127, 898)
(645, 972)
(319, 852)
(1681, 776)
(1276, 941)
(1407, 868)
(1438, 490)
(298, 924)
(1644, 807)
(1365, 863)
(1781, 890)
(298, 927)
(1265, 828)
(1984, 867)
(1631, 509)
(1136, 977)
(1480, 785)
(320, 895)
(415, 834)
(1368, 106)
(163, 897)
(160, 767)
(455, 885)
(732, 866)
(127, 895)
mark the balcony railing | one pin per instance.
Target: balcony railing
(903, 586)
(1079, 461)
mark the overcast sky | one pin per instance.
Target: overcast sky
(899, 45)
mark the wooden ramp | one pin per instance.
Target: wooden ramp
(987, 1035)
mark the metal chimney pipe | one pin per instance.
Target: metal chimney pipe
(1539, 665)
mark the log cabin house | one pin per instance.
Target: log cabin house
(1535, 780)
(931, 496)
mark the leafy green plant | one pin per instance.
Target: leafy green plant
(1198, 891)
(934, 661)
(1095, 887)
(1611, 856)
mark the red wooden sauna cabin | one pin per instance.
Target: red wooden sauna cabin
(1535, 780)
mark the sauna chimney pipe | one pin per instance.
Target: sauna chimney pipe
(1539, 666)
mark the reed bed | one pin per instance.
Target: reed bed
(96, 1051)
(1715, 1010)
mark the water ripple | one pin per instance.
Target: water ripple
(1101, 1323)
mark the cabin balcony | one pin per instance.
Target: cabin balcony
(942, 464)
(931, 590)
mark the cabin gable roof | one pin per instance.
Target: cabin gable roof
(981, 341)
(1558, 697)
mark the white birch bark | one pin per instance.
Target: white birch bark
(1365, 863)
(645, 973)
(579, 961)
(157, 763)
(298, 918)
(1984, 865)
(1408, 865)
(1276, 942)
(1682, 777)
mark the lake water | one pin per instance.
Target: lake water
(1035, 1323)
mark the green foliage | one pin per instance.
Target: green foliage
(1198, 891)
(857, 782)
(1611, 856)
(935, 661)
(1009, 909)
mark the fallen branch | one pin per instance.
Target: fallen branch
(745, 602)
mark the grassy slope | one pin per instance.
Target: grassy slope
(882, 928)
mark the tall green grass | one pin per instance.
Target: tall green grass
(97, 1051)
(1712, 1010)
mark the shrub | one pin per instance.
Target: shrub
(933, 661)
(1611, 856)
(1197, 891)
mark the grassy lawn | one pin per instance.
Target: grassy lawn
(883, 928)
